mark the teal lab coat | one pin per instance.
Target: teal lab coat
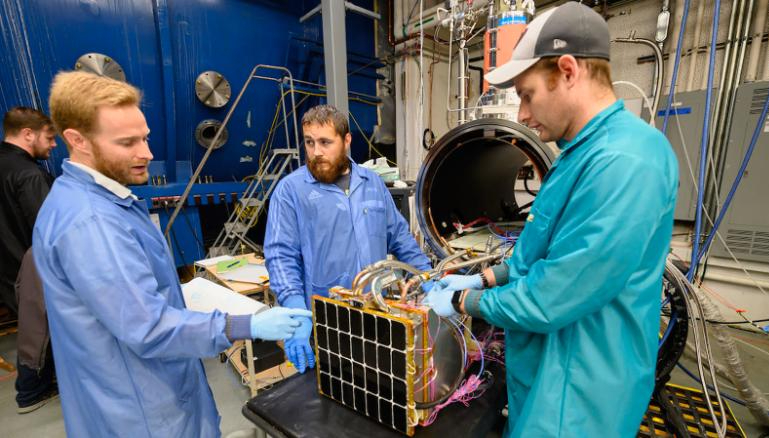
(581, 310)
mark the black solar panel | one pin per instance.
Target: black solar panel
(362, 362)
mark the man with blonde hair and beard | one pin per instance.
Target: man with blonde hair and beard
(327, 221)
(128, 351)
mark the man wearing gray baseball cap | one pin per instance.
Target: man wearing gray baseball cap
(579, 299)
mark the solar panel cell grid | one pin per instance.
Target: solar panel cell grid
(356, 323)
(362, 362)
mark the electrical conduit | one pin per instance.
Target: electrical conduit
(677, 60)
(704, 142)
(695, 45)
(755, 44)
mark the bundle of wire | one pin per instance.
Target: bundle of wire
(696, 314)
(493, 348)
(465, 387)
(466, 392)
(507, 236)
(468, 388)
(430, 370)
(469, 227)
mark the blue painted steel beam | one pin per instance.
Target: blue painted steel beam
(160, 10)
(146, 193)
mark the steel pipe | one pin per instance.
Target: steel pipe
(726, 115)
(759, 23)
(658, 69)
(695, 46)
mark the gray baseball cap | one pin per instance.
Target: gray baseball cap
(570, 29)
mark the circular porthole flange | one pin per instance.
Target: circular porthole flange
(206, 131)
(101, 65)
(212, 89)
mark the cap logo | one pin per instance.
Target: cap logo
(559, 44)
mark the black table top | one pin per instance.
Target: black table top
(294, 408)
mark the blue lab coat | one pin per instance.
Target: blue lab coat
(127, 351)
(581, 310)
(317, 237)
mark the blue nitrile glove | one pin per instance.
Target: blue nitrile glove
(298, 347)
(452, 283)
(277, 323)
(440, 302)
(427, 286)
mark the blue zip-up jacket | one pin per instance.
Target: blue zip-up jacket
(127, 350)
(317, 237)
(581, 310)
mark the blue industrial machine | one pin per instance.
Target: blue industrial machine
(162, 47)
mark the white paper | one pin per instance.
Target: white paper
(249, 273)
(202, 295)
(212, 261)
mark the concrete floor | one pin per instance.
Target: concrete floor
(47, 421)
(230, 395)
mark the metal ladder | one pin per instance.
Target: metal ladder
(232, 239)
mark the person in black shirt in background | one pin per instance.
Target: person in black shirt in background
(29, 136)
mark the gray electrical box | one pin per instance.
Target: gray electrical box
(746, 224)
(688, 111)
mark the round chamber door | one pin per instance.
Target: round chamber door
(477, 184)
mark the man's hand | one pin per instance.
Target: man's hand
(440, 302)
(453, 283)
(277, 323)
(298, 347)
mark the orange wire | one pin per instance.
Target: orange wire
(718, 297)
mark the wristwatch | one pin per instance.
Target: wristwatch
(456, 300)
(484, 281)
